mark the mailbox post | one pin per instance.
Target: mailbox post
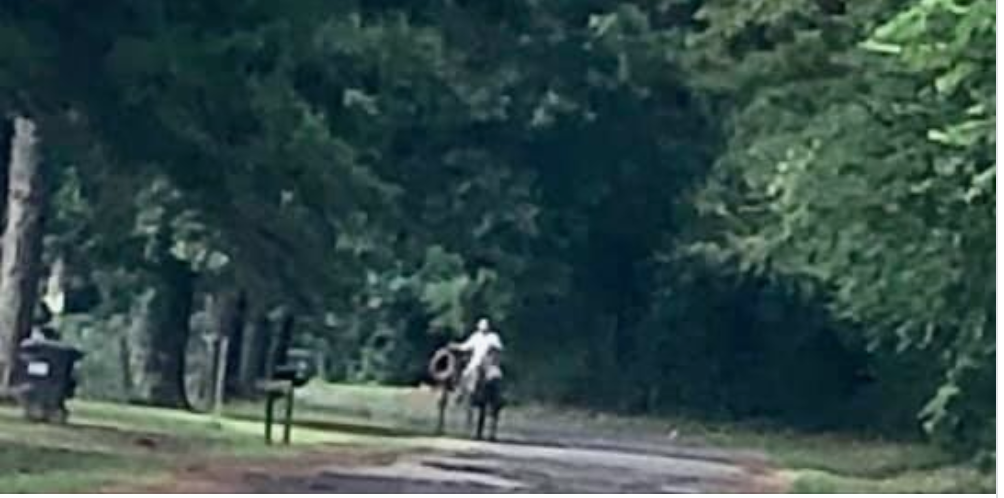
(286, 378)
(286, 370)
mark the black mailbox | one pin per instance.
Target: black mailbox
(46, 378)
(299, 368)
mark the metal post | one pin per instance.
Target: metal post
(269, 404)
(288, 429)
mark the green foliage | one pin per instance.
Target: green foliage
(741, 209)
(872, 184)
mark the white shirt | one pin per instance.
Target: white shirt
(479, 344)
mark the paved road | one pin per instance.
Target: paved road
(540, 454)
(447, 466)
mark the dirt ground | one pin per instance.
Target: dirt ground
(570, 465)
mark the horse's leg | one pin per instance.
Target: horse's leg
(469, 424)
(444, 399)
(493, 427)
(479, 435)
(495, 402)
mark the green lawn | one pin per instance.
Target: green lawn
(107, 443)
(828, 463)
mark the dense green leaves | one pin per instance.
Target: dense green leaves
(745, 209)
(875, 185)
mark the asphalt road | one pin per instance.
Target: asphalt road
(455, 466)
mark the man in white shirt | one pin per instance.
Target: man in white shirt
(481, 343)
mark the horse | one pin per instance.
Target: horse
(481, 394)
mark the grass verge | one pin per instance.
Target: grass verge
(109, 444)
(106, 444)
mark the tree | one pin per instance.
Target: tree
(199, 150)
(643, 195)
(864, 172)
(21, 243)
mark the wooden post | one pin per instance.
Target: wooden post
(124, 365)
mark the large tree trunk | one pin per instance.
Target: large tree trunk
(21, 244)
(6, 136)
(158, 338)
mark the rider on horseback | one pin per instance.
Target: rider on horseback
(478, 387)
(484, 346)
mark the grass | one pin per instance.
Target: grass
(940, 480)
(832, 463)
(842, 463)
(108, 443)
(111, 443)
(29, 468)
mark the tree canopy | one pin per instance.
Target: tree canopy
(748, 210)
